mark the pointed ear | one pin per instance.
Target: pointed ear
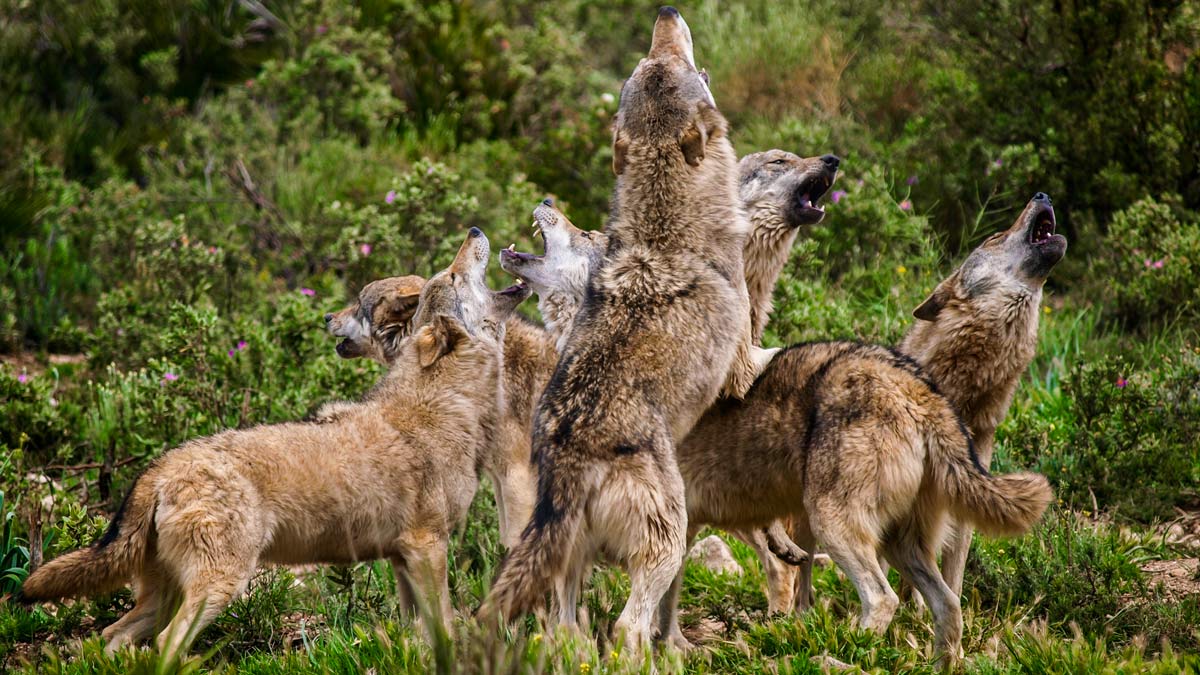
(438, 339)
(693, 141)
(929, 310)
(620, 147)
(399, 309)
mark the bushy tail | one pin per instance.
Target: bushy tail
(105, 565)
(527, 572)
(998, 506)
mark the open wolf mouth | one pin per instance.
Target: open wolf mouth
(518, 288)
(811, 190)
(1043, 227)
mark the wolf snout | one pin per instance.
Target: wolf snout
(474, 233)
(668, 12)
(328, 318)
(1043, 198)
(548, 201)
(831, 162)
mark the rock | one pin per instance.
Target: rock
(714, 554)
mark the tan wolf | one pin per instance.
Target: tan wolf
(663, 327)
(390, 480)
(977, 332)
(373, 326)
(851, 439)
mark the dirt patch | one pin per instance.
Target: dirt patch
(1179, 578)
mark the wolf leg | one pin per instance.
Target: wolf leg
(915, 560)
(138, 624)
(668, 609)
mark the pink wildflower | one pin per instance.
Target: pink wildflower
(169, 377)
(906, 205)
(309, 292)
(912, 180)
(1121, 382)
(241, 345)
(365, 249)
(390, 196)
(1158, 264)
(22, 378)
(322, 29)
(836, 196)
(231, 352)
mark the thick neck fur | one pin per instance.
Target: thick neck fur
(767, 250)
(657, 207)
(976, 350)
(558, 310)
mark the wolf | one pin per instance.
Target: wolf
(975, 353)
(389, 480)
(662, 329)
(851, 439)
(977, 333)
(781, 193)
(372, 327)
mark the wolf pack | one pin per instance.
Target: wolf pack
(642, 410)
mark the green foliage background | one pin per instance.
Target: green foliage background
(187, 186)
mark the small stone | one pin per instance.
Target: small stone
(714, 554)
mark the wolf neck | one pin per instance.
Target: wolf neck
(977, 358)
(665, 204)
(766, 253)
(558, 311)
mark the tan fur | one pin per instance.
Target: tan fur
(850, 439)
(977, 333)
(663, 328)
(389, 479)
(529, 359)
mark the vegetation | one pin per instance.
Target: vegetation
(187, 187)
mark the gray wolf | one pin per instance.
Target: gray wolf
(663, 327)
(977, 332)
(389, 480)
(780, 192)
(373, 325)
(852, 440)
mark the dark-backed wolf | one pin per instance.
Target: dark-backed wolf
(389, 480)
(976, 334)
(663, 327)
(849, 439)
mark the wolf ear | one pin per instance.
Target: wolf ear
(620, 147)
(929, 310)
(439, 339)
(399, 309)
(693, 141)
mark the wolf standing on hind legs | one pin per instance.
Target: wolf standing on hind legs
(663, 328)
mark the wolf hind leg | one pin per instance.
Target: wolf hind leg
(641, 517)
(152, 589)
(911, 552)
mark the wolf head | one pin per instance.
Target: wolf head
(377, 320)
(666, 109)
(781, 193)
(1008, 266)
(461, 291)
(560, 275)
(386, 309)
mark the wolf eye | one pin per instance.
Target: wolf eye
(778, 161)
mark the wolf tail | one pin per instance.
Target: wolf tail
(998, 506)
(105, 565)
(529, 568)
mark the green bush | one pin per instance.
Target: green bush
(1150, 264)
